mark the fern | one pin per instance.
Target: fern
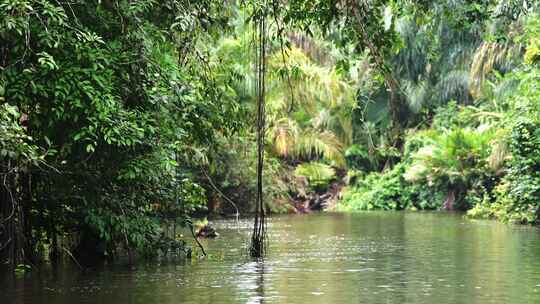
(318, 174)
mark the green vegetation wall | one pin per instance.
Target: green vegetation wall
(103, 103)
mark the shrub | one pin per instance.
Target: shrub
(455, 160)
(319, 175)
(518, 196)
(389, 191)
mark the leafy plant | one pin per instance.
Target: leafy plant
(388, 191)
(455, 159)
(319, 175)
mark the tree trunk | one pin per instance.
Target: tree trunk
(449, 202)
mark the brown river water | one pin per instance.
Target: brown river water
(373, 257)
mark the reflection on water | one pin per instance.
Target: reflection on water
(254, 280)
(322, 258)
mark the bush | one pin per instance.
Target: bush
(517, 197)
(319, 175)
(455, 161)
(389, 191)
(358, 157)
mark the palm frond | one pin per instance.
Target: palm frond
(318, 174)
(454, 85)
(313, 144)
(453, 156)
(416, 94)
(284, 134)
(490, 56)
(498, 156)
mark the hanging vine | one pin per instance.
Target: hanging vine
(258, 237)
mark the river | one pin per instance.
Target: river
(374, 257)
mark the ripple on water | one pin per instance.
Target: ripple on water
(324, 258)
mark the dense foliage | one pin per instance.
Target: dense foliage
(474, 143)
(104, 102)
(119, 120)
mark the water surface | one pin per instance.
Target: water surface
(377, 257)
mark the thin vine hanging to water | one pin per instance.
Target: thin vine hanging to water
(258, 237)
